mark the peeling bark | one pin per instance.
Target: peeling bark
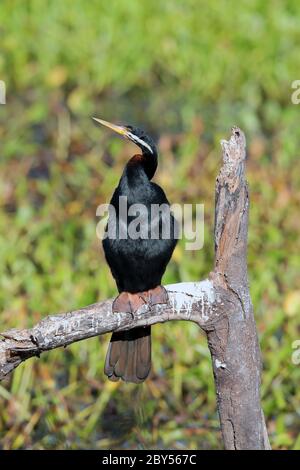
(221, 306)
(194, 301)
(233, 342)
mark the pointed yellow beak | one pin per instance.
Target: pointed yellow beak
(119, 129)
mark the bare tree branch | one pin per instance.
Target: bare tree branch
(221, 306)
(233, 340)
(187, 301)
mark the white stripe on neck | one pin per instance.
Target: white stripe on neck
(140, 141)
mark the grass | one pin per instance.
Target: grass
(185, 71)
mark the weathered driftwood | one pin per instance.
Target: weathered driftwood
(221, 306)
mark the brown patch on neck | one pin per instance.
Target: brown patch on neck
(136, 159)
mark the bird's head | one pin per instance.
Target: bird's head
(136, 135)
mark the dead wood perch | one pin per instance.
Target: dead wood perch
(221, 306)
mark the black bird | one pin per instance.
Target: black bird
(137, 263)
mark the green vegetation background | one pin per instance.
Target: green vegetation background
(186, 71)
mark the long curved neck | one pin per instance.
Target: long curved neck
(149, 162)
(140, 169)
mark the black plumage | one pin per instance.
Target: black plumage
(137, 264)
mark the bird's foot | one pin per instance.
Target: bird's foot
(127, 302)
(130, 303)
(155, 296)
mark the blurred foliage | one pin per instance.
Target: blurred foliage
(186, 71)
